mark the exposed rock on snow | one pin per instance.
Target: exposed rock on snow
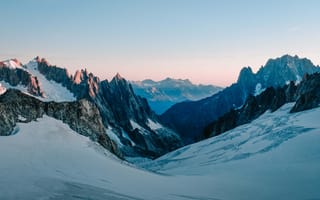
(274, 157)
(306, 95)
(82, 116)
(190, 118)
(115, 100)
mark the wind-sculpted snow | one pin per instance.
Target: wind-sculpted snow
(276, 156)
(260, 136)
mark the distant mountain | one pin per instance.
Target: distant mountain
(190, 118)
(127, 118)
(163, 94)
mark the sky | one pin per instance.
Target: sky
(206, 41)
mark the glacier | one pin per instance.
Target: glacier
(276, 156)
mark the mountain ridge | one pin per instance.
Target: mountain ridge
(162, 94)
(190, 118)
(305, 95)
(118, 106)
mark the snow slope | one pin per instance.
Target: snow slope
(53, 91)
(12, 63)
(277, 156)
(47, 160)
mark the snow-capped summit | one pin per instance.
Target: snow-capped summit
(117, 104)
(11, 63)
(163, 94)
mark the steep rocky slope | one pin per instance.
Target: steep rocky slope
(306, 95)
(190, 118)
(128, 119)
(82, 116)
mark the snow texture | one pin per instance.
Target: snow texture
(154, 125)
(22, 88)
(277, 156)
(2, 89)
(12, 64)
(258, 90)
(53, 90)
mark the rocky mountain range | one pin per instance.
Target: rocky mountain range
(306, 95)
(130, 127)
(123, 122)
(190, 118)
(161, 95)
(81, 116)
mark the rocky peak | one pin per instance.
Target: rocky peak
(134, 106)
(82, 116)
(278, 71)
(118, 77)
(306, 95)
(119, 108)
(80, 76)
(11, 63)
(41, 60)
(246, 76)
(13, 73)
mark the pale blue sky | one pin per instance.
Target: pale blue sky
(206, 41)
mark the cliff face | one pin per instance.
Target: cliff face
(19, 76)
(306, 95)
(190, 118)
(127, 117)
(82, 116)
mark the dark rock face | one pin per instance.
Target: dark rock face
(306, 95)
(190, 118)
(19, 76)
(270, 99)
(82, 116)
(278, 71)
(118, 106)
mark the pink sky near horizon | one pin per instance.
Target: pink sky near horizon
(221, 71)
(205, 41)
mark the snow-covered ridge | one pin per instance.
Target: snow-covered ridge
(277, 156)
(262, 136)
(163, 94)
(11, 63)
(53, 91)
(47, 160)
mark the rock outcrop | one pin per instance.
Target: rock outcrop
(19, 76)
(121, 111)
(82, 116)
(306, 95)
(190, 118)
